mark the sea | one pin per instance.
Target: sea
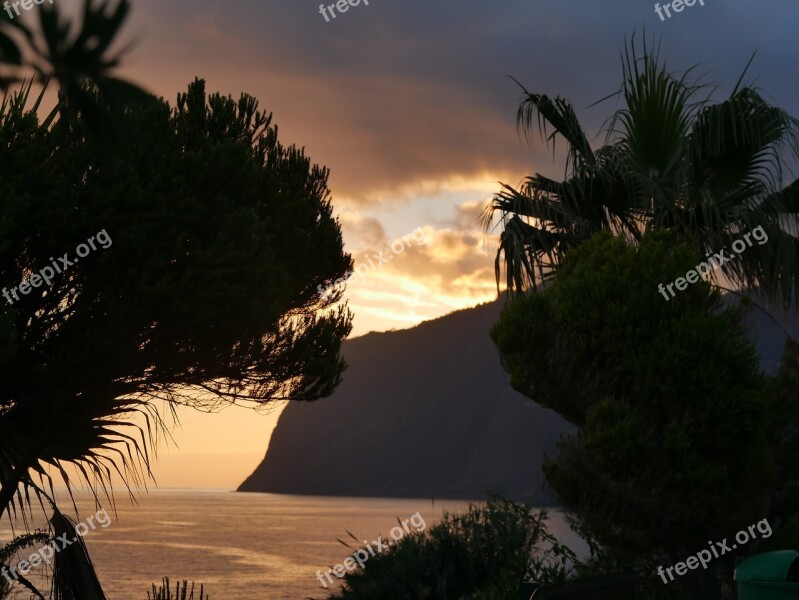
(239, 546)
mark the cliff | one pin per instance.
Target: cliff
(428, 412)
(423, 412)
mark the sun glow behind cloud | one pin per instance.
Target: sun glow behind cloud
(451, 269)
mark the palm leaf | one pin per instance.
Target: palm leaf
(672, 159)
(560, 115)
(74, 577)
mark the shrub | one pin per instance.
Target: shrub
(675, 416)
(482, 554)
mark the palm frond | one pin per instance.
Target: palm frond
(656, 117)
(92, 439)
(74, 577)
(672, 159)
(559, 114)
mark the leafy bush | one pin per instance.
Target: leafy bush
(482, 554)
(676, 418)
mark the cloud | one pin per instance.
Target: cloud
(447, 269)
(411, 106)
(468, 215)
(367, 230)
(400, 92)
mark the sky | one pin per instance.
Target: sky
(411, 105)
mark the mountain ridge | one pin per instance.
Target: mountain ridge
(472, 432)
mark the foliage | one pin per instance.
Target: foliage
(672, 159)
(206, 294)
(77, 54)
(482, 554)
(74, 576)
(206, 285)
(205, 288)
(182, 591)
(8, 551)
(676, 443)
(784, 509)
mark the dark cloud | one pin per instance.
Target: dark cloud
(400, 91)
(410, 103)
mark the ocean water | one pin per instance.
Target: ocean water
(241, 546)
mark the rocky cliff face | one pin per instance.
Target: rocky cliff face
(424, 412)
(428, 412)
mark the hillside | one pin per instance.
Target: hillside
(428, 412)
(422, 412)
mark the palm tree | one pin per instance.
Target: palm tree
(91, 439)
(82, 63)
(41, 438)
(84, 357)
(672, 158)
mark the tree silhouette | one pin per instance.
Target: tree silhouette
(217, 236)
(681, 438)
(179, 266)
(672, 159)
